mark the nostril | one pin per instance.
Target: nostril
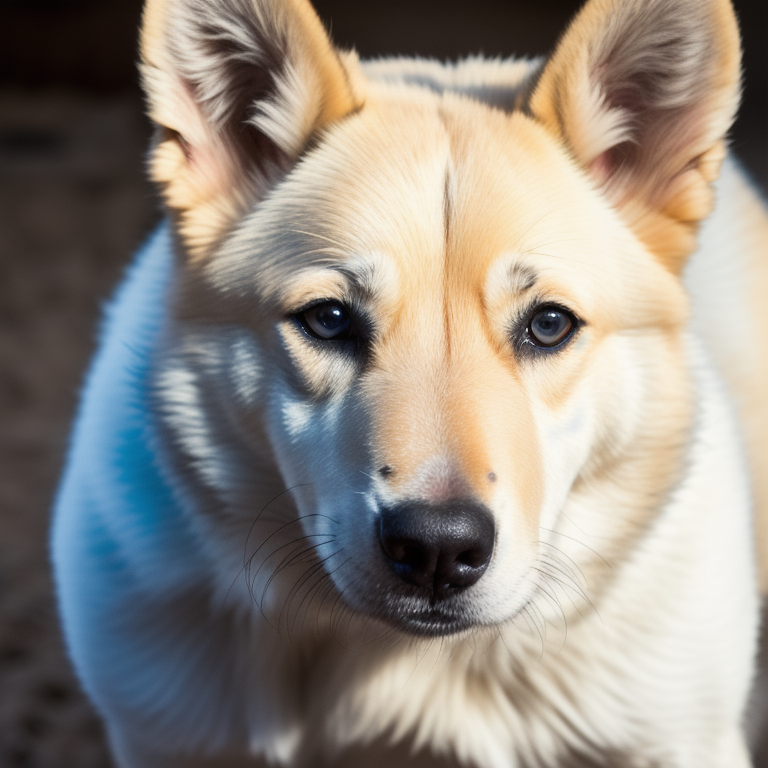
(474, 558)
(414, 556)
(403, 552)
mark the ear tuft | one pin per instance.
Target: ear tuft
(643, 93)
(237, 88)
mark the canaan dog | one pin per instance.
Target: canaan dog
(424, 425)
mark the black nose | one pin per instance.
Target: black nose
(444, 547)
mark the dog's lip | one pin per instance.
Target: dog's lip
(432, 622)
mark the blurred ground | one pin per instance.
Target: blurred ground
(74, 204)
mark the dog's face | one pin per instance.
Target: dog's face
(446, 324)
(446, 338)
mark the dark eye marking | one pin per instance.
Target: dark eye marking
(326, 321)
(523, 278)
(547, 328)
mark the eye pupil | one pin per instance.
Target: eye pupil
(329, 320)
(330, 317)
(550, 326)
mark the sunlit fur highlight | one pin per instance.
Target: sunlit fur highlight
(610, 99)
(191, 58)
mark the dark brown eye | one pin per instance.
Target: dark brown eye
(550, 326)
(327, 321)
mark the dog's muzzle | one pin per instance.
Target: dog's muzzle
(440, 548)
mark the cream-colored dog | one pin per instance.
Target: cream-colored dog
(425, 423)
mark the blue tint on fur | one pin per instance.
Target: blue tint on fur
(113, 490)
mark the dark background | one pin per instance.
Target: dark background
(74, 204)
(90, 44)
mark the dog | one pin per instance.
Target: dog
(423, 431)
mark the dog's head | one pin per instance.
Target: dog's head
(441, 306)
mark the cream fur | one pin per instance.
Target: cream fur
(224, 594)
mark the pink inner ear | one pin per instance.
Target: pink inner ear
(213, 168)
(207, 156)
(602, 167)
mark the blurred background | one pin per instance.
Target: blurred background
(74, 204)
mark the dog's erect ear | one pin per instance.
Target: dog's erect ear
(237, 87)
(643, 93)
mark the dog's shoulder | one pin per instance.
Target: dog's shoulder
(112, 487)
(727, 279)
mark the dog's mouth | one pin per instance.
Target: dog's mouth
(423, 616)
(432, 623)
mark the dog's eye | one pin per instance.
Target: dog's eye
(550, 326)
(329, 320)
